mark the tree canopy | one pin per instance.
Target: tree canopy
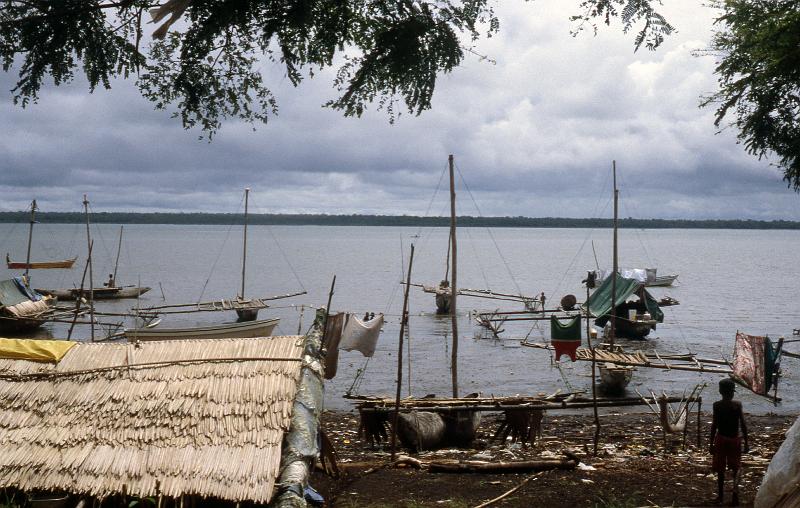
(203, 61)
(758, 45)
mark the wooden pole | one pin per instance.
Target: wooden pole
(30, 240)
(113, 280)
(403, 319)
(454, 285)
(244, 242)
(80, 293)
(89, 264)
(615, 268)
(594, 376)
(328, 310)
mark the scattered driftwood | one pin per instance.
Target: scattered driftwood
(476, 466)
(405, 460)
(327, 454)
(509, 492)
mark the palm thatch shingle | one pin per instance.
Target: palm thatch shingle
(159, 418)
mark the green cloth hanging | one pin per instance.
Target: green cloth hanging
(569, 330)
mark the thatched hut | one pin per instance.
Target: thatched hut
(162, 419)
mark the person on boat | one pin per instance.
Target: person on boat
(110, 283)
(725, 442)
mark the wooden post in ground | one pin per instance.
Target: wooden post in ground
(594, 373)
(699, 411)
(454, 284)
(403, 319)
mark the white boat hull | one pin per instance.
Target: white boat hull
(248, 329)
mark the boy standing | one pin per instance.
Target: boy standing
(725, 443)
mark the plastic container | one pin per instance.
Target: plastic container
(632, 314)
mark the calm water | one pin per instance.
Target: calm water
(729, 280)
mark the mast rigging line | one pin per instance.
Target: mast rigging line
(219, 254)
(280, 247)
(489, 231)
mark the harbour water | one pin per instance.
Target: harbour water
(729, 280)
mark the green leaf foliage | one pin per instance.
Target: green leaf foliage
(758, 46)
(206, 62)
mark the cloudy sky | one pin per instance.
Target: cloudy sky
(533, 134)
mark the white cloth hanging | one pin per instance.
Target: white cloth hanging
(361, 335)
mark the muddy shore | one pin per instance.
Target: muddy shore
(632, 467)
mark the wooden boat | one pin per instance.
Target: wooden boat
(109, 290)
(38, 265)
(614, 378)
(662, 281)
(261, 328)
(21, 309)
(103, 293)
(34, 265)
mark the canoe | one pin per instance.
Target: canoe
(662, 280)
(103, 293)
(614, 378)
(261, 328)
(35, 265)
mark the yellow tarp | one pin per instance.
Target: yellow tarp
(36, 350)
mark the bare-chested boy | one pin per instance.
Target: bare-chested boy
(725, 443)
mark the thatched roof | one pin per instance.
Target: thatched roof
(167, 418)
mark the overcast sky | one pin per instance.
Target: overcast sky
(533, 135)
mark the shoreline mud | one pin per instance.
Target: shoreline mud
(632, 467)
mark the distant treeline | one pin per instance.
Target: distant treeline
(389, 220)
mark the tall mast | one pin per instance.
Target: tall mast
(30, 239)
(615, 267)
(454, 285)
(89, 263)
(116, 263)
(244, 243)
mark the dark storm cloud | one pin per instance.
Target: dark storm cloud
(533, 135)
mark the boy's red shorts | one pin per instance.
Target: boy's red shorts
(727, 452)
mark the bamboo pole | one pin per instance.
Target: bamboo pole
(89, 263)
(615, 268)
(454, 285)
(594, 378)
(403, 319)
(78, 299)
(113, 280)
(244, 243)
(30, 240)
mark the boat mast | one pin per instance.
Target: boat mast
(244, 243)
(30, 239)
(454, 285)
(615, 267)
(116, 263)
(89, 263)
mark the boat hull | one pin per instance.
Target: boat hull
(15, 325)
(636, 330)
(104, 293)
(614, 378)
(248, 329)
(38, 265)
(662, 281)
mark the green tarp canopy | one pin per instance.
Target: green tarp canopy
(599, 303)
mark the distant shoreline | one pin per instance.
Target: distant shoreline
(388, 221)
